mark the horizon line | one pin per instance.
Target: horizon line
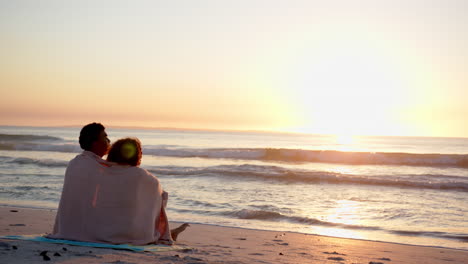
(229, 130)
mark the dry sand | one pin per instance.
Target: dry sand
(213, 244)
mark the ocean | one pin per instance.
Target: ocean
(410, 190)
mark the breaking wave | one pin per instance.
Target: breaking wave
(278, 217)
(283, 174)
(37, 162)
(9, 137)
(322, 156)
(275, 216)
(425, 181)
(26, 146)
(48, 143)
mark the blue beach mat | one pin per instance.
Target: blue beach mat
(150, 248)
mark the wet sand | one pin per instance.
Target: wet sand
(213, 244)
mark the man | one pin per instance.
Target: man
(79, 182)
(101, 203)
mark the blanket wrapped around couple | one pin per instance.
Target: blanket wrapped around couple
(108, 203)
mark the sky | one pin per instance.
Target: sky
(331, 67)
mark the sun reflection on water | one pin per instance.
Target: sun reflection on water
(345, 214)
(344, 139)
(345, 142)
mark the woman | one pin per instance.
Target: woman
(126, 152)
(150, 212)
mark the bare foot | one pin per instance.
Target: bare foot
(176, 231)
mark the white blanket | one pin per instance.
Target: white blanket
(105, 202)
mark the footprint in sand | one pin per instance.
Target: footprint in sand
(280, 235)
(334, 253)
(202, 252)
(221, 246)
(387, 259)
(187, 258)
(336, 258)
(120, 262)
(78, 254)
(5, 245)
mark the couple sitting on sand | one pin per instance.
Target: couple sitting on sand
(113, 200)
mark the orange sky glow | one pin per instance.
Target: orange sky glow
(331, 67)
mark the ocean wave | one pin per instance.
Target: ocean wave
(459, 237)
(267, 154)
(200, 204)
(277, 173)
(275, 216)
(37, 162)
(23, 138)
(29, 188)
(25, 146)
(282, 174)
(278, 217)
(322, 156)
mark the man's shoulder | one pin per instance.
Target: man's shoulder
(83, 159)
(79, 158)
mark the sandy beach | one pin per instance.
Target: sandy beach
(213, 244)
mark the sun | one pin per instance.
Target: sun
(344, 139)
(348, 92)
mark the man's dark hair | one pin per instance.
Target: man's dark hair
(126, 151)
(89, 134)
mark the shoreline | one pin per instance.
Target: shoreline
(217, 244)
(253, 229)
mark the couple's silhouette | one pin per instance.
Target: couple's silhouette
(114, 200)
